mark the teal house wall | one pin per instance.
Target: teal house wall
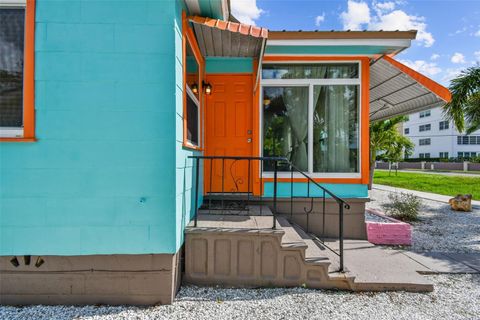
(101, 178)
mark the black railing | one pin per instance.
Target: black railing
(243, 204)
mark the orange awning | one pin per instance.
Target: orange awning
(219, 38)
(396, 89)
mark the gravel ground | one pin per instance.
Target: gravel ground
(439, 227)
(455, 297)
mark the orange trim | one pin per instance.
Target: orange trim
(364, 116)
(189, 36)
(241, 28)
(442, 92)
(28, 78)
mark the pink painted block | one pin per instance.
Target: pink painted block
(394, 232)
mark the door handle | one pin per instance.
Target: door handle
(249, 140)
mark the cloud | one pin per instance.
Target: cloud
(246, 11)
(400, 20)
(384, 6)
(319, 19)
(477, 55)
(450, 74)
(357, 14)
(458, 58)
(422, 66)
(477, 34)
(384, 17)
(435, 56)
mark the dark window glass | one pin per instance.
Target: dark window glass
(285, 125)
(192, 121)
(407, 130)
(11, 67)
(310, 71)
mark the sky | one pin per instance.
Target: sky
(448, 38)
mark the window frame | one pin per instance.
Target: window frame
(188, 37)
(424, 140)
(27, 132)
(425, 127)
(443, 125)
(310, 83)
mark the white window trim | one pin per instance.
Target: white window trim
(310, 83)
(13, 132)
(197, 103)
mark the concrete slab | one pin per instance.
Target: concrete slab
(437, 262)
(377, 269)
(470, 259)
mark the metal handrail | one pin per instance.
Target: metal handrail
(276, 160)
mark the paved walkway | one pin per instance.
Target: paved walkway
(423, 195)
(444, 262)
(441, 173)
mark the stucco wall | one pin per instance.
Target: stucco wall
(100, 177)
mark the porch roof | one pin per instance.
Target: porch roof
(396, 89)
(219, 38)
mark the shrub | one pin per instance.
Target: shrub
(403, 206)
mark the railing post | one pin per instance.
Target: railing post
(341, 235)
(196, 189)
(275, 169)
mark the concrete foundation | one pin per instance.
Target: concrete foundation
(92, 279)
(354, 218)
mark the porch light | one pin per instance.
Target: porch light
(194, 88)
(207, 87)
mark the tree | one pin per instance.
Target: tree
(465, 103)
(385, 138)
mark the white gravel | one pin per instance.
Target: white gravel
(439, 228)
(455, 297)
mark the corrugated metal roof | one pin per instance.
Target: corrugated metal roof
(218, 38)
(395, 89)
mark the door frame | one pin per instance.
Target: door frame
(255, 173)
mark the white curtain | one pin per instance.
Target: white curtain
(296, 103)
(334, 109)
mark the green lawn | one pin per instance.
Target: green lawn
(446, 185)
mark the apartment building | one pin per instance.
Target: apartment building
(436, 137)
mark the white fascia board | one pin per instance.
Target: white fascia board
(397, 43)
(13, 3)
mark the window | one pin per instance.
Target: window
(444, 125)
(16, 70)
(192, 97)
(443, 155)
(311, 116)
(468, 139)
(424, 114)
(425, 127)
(424, 155)
(467, 155)
(406, 130)
(424, 142)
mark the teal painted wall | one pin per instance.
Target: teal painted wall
(100, 179)
(341, 190)
(228, 65)
(328, 50)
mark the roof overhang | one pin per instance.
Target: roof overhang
(218, 38)
(217, 9)
(369, 43)
(396, 89)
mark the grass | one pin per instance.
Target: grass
(446, 185)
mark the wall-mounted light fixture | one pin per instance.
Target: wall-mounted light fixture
(39, 262)
(207, 87)
(194, 88)
(15, 262)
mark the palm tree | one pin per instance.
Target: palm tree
(385, 138)
(465, 103)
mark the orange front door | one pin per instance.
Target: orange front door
(229, 132)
